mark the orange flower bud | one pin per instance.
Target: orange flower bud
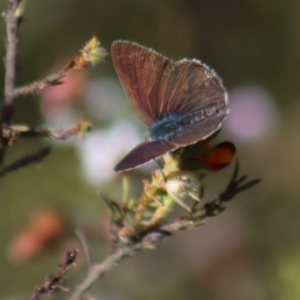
(202, 156)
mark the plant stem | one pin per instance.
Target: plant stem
(99, 269)
(12, 29)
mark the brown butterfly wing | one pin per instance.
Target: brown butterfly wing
(197, 91)
(146, 76)
(144, 153)
(198, 131)
(196, 86)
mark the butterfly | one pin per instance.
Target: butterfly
(181, 102)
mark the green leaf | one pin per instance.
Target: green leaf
(117, 215)
(247, 186)
(236, 170)
(240, 180)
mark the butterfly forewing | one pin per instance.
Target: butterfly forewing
(146, 77)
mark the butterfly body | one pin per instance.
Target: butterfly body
(181, 102)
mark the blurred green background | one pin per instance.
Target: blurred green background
(251, 251)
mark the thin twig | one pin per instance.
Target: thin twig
(24, 161)
(12, 31)
(35, 88)
(53, 282)
(99, 269)
(14, 132)
(91, 54)
(85, 247)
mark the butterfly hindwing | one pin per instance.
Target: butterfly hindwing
(143, 153)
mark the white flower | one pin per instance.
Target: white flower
(102, 149)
